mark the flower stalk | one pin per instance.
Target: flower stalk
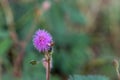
(48, 69)
(43, 42)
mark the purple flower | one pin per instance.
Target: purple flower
(42, 40)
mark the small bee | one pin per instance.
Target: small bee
(33, 62)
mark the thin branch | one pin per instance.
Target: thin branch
(23, 44)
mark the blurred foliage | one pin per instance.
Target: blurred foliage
(95, 77)
(85, 32)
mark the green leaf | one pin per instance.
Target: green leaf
(5, 45)
(89, 77)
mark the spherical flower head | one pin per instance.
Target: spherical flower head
(41, 40)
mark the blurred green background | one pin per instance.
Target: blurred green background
(85, 32)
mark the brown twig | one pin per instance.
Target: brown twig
(17, 63)
(23, 44)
